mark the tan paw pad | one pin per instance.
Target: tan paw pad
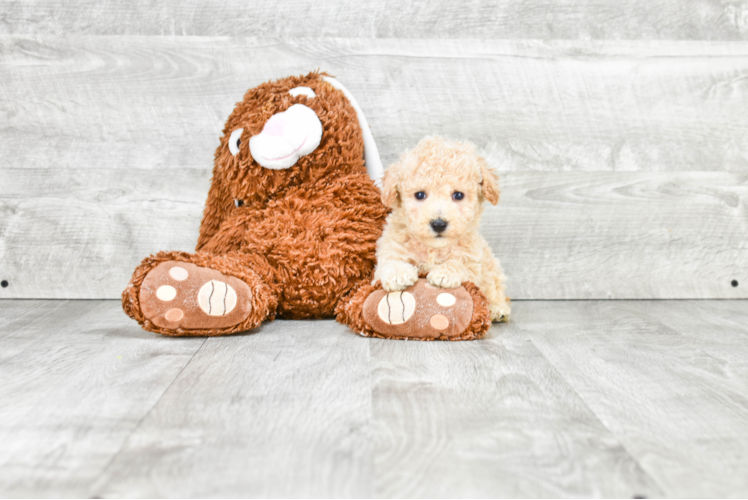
(216, 298)
(396, 308)
(166, 293)
(179, 273)
(439, 322)
(446, 299)
(174, 314)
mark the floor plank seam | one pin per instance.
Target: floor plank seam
(147, 414)
(656, 483)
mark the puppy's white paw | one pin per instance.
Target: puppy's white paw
(400, 279)
(444, 278)
(500, 312)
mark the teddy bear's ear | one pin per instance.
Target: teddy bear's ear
(390, 194)
(371, 152)
(489, 182)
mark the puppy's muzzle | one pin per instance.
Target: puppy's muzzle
(438, 225)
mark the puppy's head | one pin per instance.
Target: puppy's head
(438, 188)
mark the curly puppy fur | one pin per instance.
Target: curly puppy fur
(303, 237)
(433, 229)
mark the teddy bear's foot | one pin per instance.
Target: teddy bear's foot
(420, 312)
(182, 296)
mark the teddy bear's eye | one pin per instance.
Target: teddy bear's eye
(457, 195)
(420, 195)
(235, 141)
(238, 203)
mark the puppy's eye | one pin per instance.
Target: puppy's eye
(457, 196)
(421, 195)
(235, 141)
(238, 203)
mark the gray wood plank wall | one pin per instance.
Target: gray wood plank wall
(508, 19)
(619, 130)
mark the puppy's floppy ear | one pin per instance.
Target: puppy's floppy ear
(390, 195)
(489, 183)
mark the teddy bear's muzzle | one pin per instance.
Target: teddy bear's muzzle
(286, 137)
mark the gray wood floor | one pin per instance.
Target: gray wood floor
(572, 398)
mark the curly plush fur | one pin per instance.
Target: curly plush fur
(445, 182)
(303, 237)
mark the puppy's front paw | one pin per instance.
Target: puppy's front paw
(444, 278)
(400, 279)
(500, 312)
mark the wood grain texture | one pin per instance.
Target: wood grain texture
(543, 19)
(282, 412)
(559, 235)
(623, 163)
(80, 233)
(489, 418)
(669, 378)
(622, 235)
(298, 409)
(145, 102)
(570, 399)
(77, 379)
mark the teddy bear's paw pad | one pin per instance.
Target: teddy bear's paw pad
(216, 298)
(421, 311)
(182, 295)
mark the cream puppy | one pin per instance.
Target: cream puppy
(436, 192)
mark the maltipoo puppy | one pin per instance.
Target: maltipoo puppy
(436, 192)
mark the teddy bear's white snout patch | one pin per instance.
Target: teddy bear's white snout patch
(286, 137)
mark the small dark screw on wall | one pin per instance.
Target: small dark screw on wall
(4, 283)
(734, 283)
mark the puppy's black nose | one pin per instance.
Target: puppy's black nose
(439, 225)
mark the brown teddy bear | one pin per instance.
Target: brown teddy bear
(290, 225)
